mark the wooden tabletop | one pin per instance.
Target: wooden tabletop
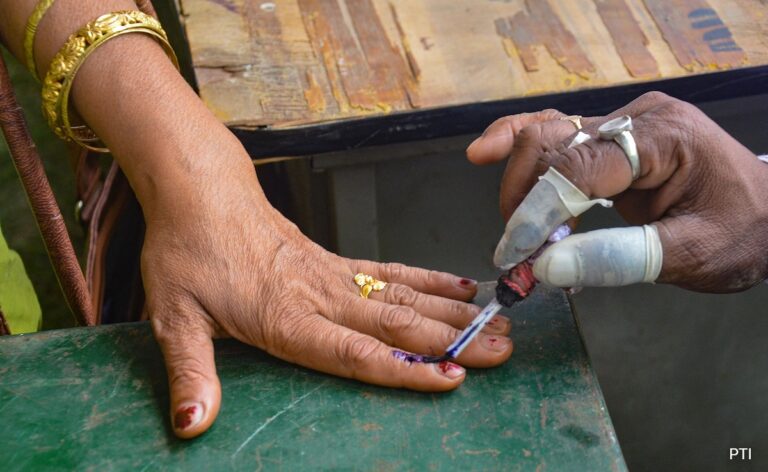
(288, 63)
(97, 399)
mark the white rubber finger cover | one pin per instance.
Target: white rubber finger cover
(552, 201)
(602, 258)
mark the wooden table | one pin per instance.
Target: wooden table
(297, 77)
(97, 399)
(311, 78)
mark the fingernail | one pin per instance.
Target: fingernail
(473, 145)
(495, 343)
(467, 283)
(498, 323)
(450, 370)
(188, 415)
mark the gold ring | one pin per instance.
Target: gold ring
(368, 284)
(575, 119)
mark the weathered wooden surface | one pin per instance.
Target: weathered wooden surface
(294, 62)
(96, 399)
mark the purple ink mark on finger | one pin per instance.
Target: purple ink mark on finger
(422, 359)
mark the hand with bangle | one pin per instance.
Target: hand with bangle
(218, 260)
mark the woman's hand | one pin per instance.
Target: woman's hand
(221, 262)
(704, 192)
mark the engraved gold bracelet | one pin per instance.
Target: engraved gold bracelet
(29, 34)
(64, 66)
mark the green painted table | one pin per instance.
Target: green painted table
(96, 399)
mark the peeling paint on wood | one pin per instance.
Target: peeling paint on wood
(329, 33)
(696, 34)
(539, 25)
(297, 62)
(520, 38)
(630, 41)
(390, 76)
(314, 95)
(412, 64)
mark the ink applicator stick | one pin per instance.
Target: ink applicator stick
(527, 234)
(512, 287)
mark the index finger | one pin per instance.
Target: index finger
(322, 345)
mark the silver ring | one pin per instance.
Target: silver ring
(619, 130)
(581, 137)
(575, 119)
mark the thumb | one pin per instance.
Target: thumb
(498, 139)
(602, 258)
(195, 390)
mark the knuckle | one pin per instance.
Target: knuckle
(296, 338)
(355, 352)
(192, 372)
(655, 97)
(678, 108)
(398, 319)
(575, 163)
(160, 329)
(403, 295)
(447, 336)
(280, 327)
(167, 329)
(394, 271)
(529, 135)
(552, 113)
(460, 310)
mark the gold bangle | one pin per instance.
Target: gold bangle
(29, 34)
(77, 48)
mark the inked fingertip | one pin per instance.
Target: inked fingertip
(499, 324)
(450, 370)
(495, 343)
(466, 283)
(186, 419)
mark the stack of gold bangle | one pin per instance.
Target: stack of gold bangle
(65, 64)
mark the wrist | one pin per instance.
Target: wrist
(174, 152)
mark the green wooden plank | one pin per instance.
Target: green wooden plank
(96, 398)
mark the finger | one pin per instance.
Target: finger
(320, 344)
(194, 386)
(601, 168)
(602, 258)
(497, 140)
(402, 327)
(553, 201)
(527, 160)
(451, 312)
(525, 165)
(432, 282)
